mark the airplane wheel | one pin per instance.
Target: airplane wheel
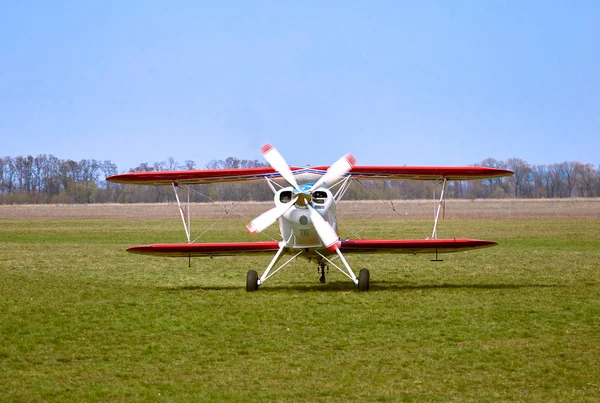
(363, 280)
(252, 281)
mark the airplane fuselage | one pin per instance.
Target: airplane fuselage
(296, 225)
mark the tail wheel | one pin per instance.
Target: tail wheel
(363, 280)
(252, 281)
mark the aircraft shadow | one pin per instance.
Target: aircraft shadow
(375, 287)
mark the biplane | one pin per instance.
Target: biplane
(305, 208)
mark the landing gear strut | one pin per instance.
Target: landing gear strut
(322, 272)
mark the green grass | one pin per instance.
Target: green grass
(80, 319)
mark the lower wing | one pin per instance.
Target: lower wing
(413, 246)
(206, 249)
(410, 246)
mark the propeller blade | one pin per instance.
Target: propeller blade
(336, 171)
(330, 239)
(275, 159)
(267, 218)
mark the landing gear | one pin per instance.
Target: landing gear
(363, 280)
(252, 281)
(322, 272)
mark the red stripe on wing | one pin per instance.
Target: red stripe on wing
(206, 249)
(194, 176)
(425, 173)
(413, 245)
(361, 172)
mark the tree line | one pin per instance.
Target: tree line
(48, 179)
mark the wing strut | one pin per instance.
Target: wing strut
(282, 246)
(184, 215)
(276, 258)
(441, 203)
(271, 184)
(345, 184)
(349, 273)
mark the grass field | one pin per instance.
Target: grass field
(80, 319)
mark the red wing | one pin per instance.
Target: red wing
(410, 246)
(206, 249)
(196, 177)
(205, 176)
(413, 245)
(426, 173)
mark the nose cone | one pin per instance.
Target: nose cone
(303, 194)
(303, 198)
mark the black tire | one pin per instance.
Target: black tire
(252, 281)
(363, 280)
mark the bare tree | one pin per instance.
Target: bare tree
(539, 175)
(189, 165)
(108, 168)
(159, 166)
(554, 178)
(50, 176)
(143, 167)
(8, 175)
(522, 172)
(171, 164)
(47, 179)
(568, 176)
(3, 174)
(586, 177)
(89, 175)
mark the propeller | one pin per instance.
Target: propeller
(336, 171)
(275, 159)
(325, 231)
(267, 218)
(278, 163)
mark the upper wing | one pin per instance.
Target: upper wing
(206, 249)
(309, 174)
(426, 173)
(413, 246)
(198, 177)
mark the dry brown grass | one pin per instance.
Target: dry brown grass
(513, 209)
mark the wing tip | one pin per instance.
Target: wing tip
(138, 249)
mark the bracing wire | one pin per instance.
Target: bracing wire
(389, 204)
(227, 209)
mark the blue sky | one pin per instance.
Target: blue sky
(395, 83)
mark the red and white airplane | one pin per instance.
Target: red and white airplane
(306, 212)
